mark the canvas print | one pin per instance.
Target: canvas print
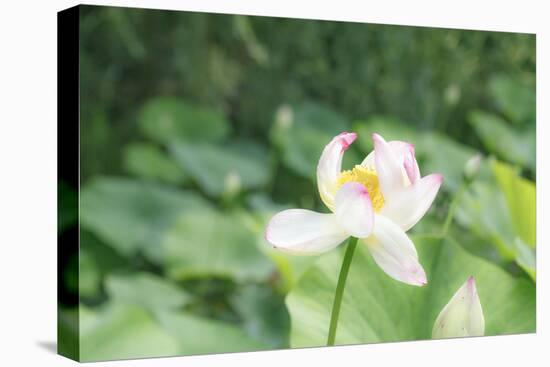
(232, 183)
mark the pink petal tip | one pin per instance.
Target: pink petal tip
(438, 177)
(346, 139)
(471, 284)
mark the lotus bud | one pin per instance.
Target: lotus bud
(232, 184)
(284, 117)
(462, 316)
(472, 166)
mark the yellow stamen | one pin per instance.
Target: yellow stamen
(366, 177)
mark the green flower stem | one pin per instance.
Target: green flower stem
(452, 207)
(352, 244)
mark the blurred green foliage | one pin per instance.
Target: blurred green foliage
(196, 128)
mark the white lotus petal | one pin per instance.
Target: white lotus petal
(394, 252)
(404, 152)
(410, 164)
(304, 232)
(330, 165)
(462, 316)
(388, 167)
(353, 209)
(408, 205)
(400, 150)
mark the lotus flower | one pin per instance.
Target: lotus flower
(377, 201)
(462, 316)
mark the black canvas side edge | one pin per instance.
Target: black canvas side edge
(68, 328)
